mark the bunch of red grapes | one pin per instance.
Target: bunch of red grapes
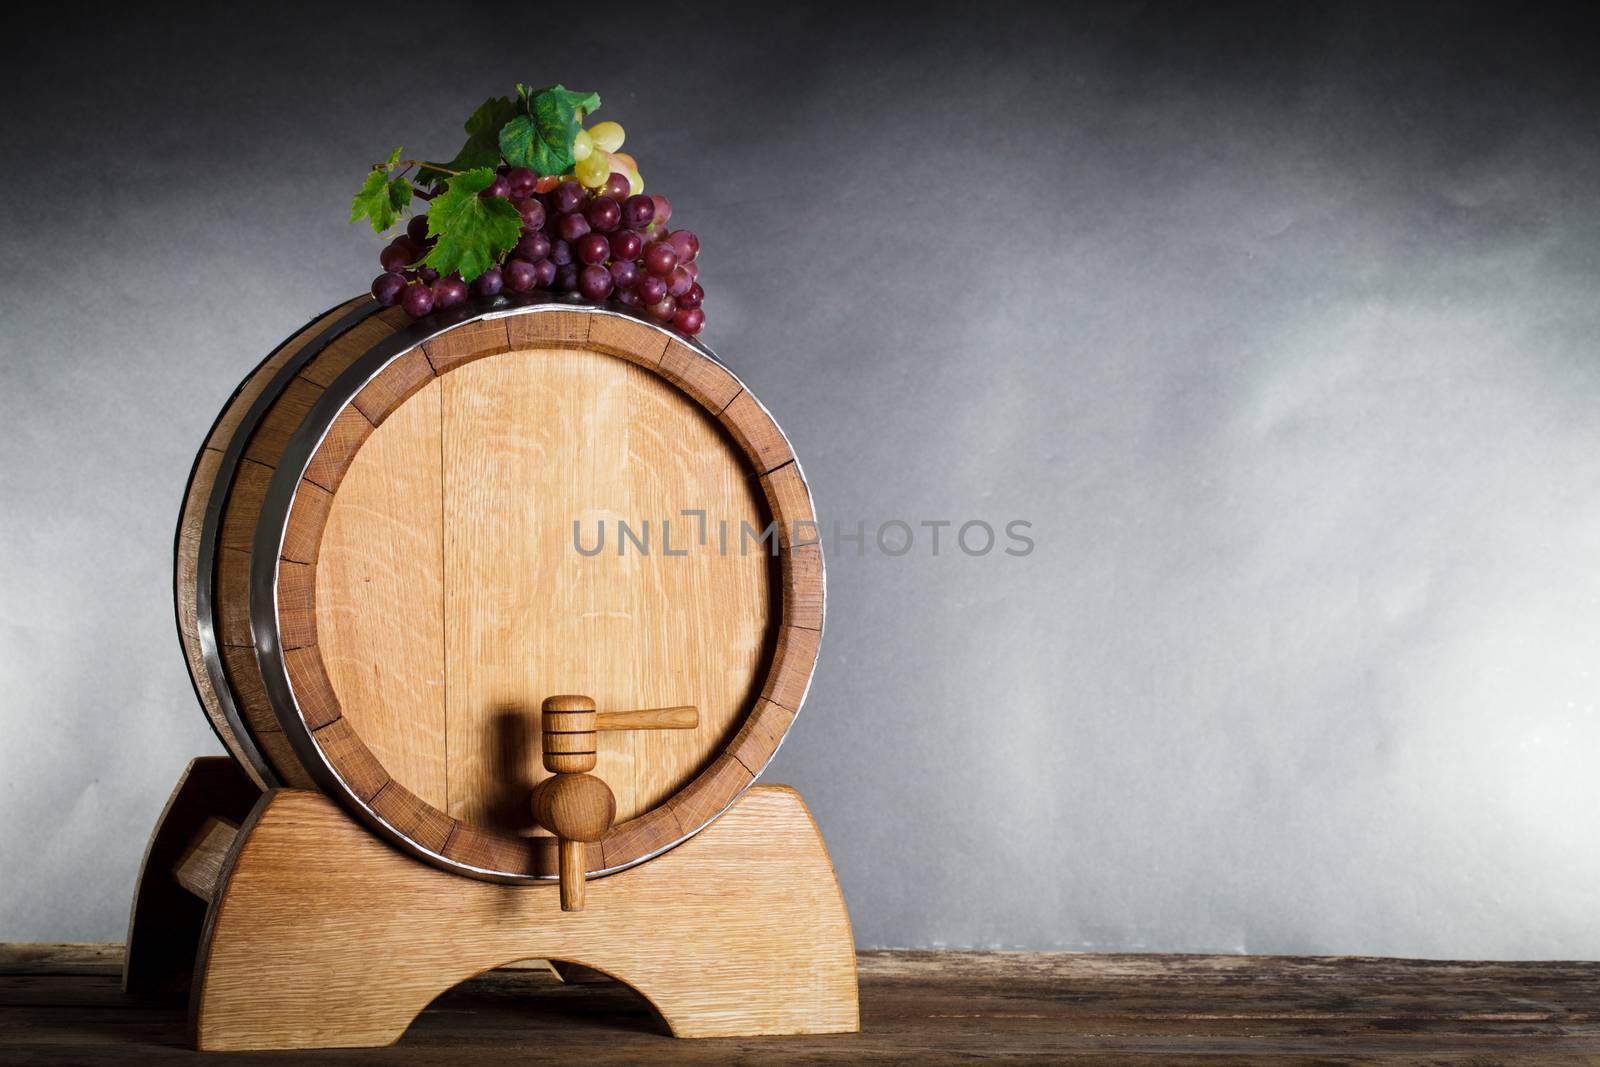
(602, 243)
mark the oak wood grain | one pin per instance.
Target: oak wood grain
(303, 950)
(465, 343)
(380, 594)
(165, 920)
(244, 496)
(577, 435)
(199, 868)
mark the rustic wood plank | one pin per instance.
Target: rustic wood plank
(60, 1004)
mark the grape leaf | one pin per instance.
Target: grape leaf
(483, 142)
(473, 232)
(540, 136)
(382, 199)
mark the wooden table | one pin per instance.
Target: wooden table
(62, 1004)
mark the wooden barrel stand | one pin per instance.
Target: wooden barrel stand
(318, 935)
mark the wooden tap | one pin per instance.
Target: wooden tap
(575, 805)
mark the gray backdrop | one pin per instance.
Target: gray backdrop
(1279, 323)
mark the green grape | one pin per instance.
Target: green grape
(582, 145)
(594, 169)
(607, 135)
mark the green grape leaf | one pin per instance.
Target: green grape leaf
(540, 136)
(473, 233)
(382, 199)
(483, 142)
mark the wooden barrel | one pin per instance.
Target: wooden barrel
(385, 562)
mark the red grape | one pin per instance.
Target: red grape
(544, 273)
(638, 211)
(660, 258)
(664, 311)
(679, 282)
(603, 214)
(693, 298)
(617, 186)
(560, 253)
(520, 275)
(567, 197)
(625, 273)
(572, 227)
(567, 277)
(651, 289)
(533, 247)
(689, 320)
(522, 181)
(449, 292)
(663, 210)
(498, 187)
(417, 300)
(594, 282)
(417, 229)
(400, 252)
(686, 244)
(593, 248)
(427, 274)
(489, 282)
(386, 287)
(626, 244)
(532, 212)
(628, 297)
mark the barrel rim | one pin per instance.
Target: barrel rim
(274, 520)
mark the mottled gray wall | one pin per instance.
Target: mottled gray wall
(1279, 323)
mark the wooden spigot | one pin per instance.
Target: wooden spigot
(574, 805)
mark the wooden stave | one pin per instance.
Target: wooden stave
(230, 517)
(198, 528)
(730, 770)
